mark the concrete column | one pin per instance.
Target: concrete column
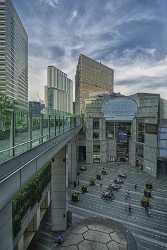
(6, 232)
(37, 219)
(20, 244)
(48, 198)
(71, 161)
(59, 192)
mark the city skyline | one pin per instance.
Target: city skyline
(129, 36)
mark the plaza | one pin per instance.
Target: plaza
(150, 232)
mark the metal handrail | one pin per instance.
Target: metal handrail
(27, 163)
(21, 144)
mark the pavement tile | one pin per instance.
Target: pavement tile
(90, 245)
(115, 237)
(100, 228)
(80, 229)
(72, 239)
(97, 236)
(113, 246)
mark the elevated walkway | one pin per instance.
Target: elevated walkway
(17, 171)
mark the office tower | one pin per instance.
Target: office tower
(91, 78)
(13, 56)
(59, 91)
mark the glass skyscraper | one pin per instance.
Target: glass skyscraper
(13, 56)
(59, 91)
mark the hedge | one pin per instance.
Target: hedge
(28, 196)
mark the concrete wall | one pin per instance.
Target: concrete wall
(71, 160)
(132, 145)
(6, 233)
(150, 154)
(59, 192)
(163, 109)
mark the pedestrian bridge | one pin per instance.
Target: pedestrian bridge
(56, 146)
(17, 171)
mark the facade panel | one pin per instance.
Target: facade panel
(59, 91)
(14, 56)
(91, 78)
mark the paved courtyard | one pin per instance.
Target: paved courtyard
(150, 232)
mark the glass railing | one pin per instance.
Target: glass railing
(20, 132)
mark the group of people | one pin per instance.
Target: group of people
(145, 203)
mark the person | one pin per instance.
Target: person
(75, 184)
(135, 187)
(101, 185)
(129, 208)
(59, 239)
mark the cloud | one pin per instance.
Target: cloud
(127, 35)
(56, 52)
(52, 3)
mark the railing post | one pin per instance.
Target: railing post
(63, 123)
(41, 128)
(12, 134)
(49, 125)
(59, 124)
(30, 128)
(55, 125)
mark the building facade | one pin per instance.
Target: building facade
(13, 56)
(35, 108)
(59, 91)
(91, 78)
(123, 129)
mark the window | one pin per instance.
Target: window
(95, 135)
(140, 131)
(139, 150)
(96, 148)
(150, 128)
(82, 153)
(110, 130)
(96, 160)
(95, 123)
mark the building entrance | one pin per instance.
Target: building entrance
(122, 141)
(82, 153)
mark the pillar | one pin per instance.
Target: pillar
(20, 244)
(59, 192)
(37, 220)
(48, 198)
(6, 232)
(71, 161)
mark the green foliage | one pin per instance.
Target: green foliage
(6, 106)
(28, 196)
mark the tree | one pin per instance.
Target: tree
(6, 106)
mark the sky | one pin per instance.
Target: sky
(129, 36)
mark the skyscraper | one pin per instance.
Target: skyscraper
(91, 78)
(59, 91)
(13, 56)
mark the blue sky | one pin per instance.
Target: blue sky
(128, 35)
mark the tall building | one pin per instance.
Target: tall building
(91, 78)
(130, 129)
(13, 55)
(35, 108)
(59, 91)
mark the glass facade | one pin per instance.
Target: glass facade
(59, 91)
(22, 131)
(13, 56)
